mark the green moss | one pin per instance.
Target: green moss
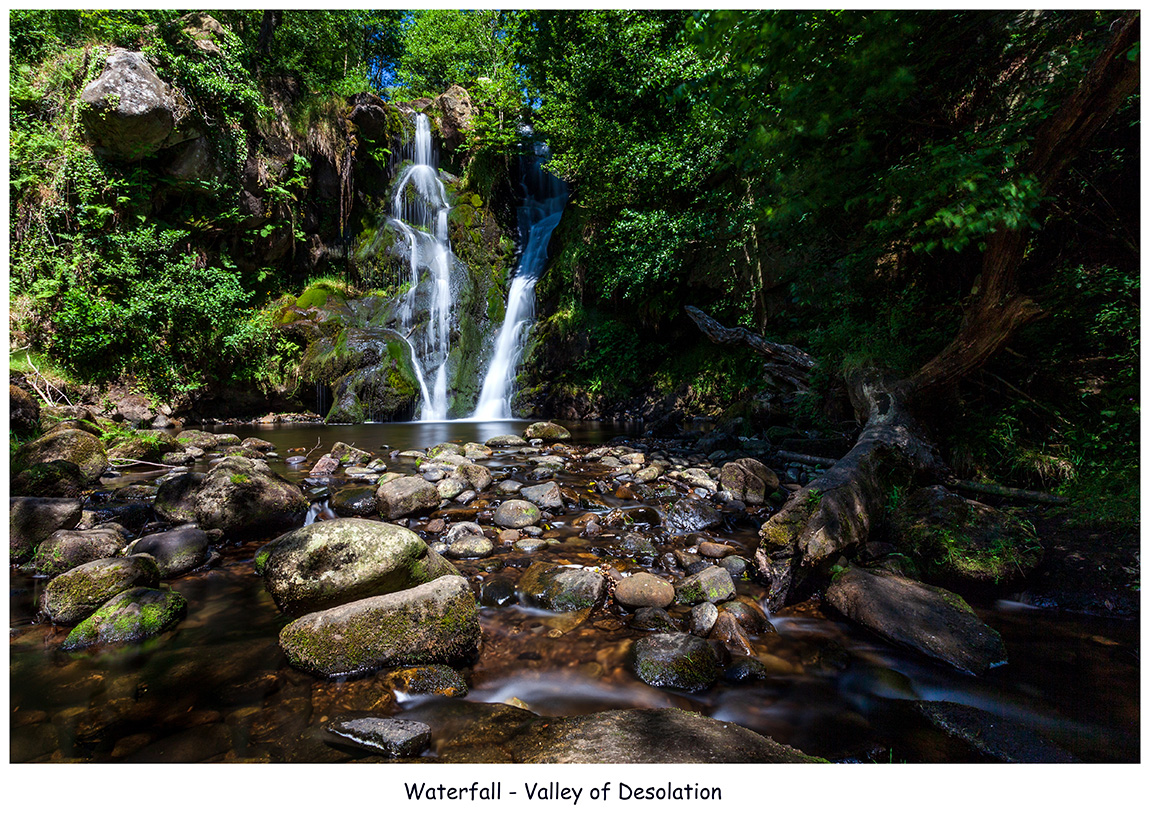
(239, 478)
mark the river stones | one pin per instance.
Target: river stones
(690, 515)
(508, 487)
(470, 546)
(337, 561)
(643, 590)
(238, 496)
(437, 622)
(175, 552)
(561, 588)
(348, 455)
(505, 441)
(66, 549)
(728, 631)
(396, 738)
(749, 614)
(354, 501)
(546, 431)
(517, 514)
(748, 480)
(406, 496)
(76, 446)
(51, 479)
(197, 438)
(441, 680)
(677, 660)
(474, 474)
(449, 488)
(711, 585)
(75, 594)
(30, 520)
(475, 451)
(545, 495)
(465, 528)
(653, 619)
(924, 618)
(130, 616)
(701, 619)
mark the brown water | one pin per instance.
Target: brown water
(217, 688)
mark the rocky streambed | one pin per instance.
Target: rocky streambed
(530, 597)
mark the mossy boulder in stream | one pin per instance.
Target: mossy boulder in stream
(561, 588)
(437, 622)
(130, 616)
(31, 520)
(401, 497)
(77, 446)
(79, 592)
(66, 549)
(337, 561)
(238, 496)
(676, 661)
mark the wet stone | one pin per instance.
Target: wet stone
(643, 591)
(546, 496)
(675, 661)
(470, 546)
(530, 544)
(380, 735)
(508, 487)
(441, 680)
(515, 514)
(702, 619)
(653, 619)
(498, 591)
(712, 585)
(735, 565)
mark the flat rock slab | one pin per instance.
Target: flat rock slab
(437, 622)
(925, 618)
(993, 735)
(476, 732)
(383, 736)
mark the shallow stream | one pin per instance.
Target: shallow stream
(218, 688)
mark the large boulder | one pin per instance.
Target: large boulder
(961, 541)
(437, 622)
(561, 588)
(337, 561)
(924, 618)
(690, 515)
(680, 661)
(51, 479)
(238, 496)
(176, 551)
(546, 431)
(748, 480)
(130, 616)
(406, 496)
(75, 594)
(23, 411)
(128, 111)
(457, 115)
(76, 446)
(66, 549)
(31, 520)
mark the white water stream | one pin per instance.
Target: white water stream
(545, 196)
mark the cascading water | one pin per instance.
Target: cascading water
(419, 212)
(545, 196)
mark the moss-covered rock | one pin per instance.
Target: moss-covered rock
(957, 541)
(238, 496)
(437, 622)
(175, 552)
(402, 497)
(561, 588)
(66, 549)
(23, 411)
(31, 520)
(354, 501)
(675, 661)
(336, 561)
(81, 448)
(748, 480)
(712, 585)
(79, 592)
(52, 479)
(547, 431)
(130, 616)
(442, 680)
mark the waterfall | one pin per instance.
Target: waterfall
(543, 202)
(419, 212)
